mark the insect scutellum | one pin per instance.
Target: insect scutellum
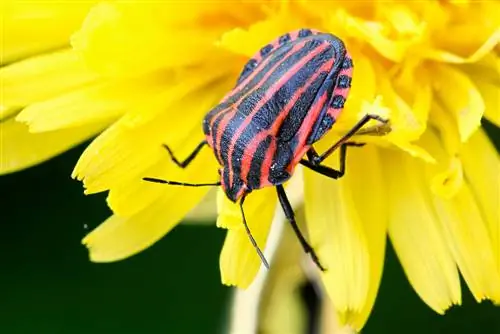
(287, 97)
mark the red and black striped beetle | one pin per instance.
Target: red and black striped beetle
(287, 97)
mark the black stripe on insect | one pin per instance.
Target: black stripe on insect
(277, 173)
(314, 162)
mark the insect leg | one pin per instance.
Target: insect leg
(250, 236)
(325, 170)
(187, 161)
(319, 158)
(287, 208)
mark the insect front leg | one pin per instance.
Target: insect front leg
(355, 129)
(290, 215)
(312, 155)
(187, 161)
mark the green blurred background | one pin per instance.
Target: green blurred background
(48, 284)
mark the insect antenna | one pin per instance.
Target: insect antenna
(185, 184)
(250, 236)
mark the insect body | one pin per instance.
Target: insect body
(287, 97)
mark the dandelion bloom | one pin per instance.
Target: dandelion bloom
(146, 73)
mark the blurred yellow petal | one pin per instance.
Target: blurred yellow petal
(30, 27)
(281, 306)
(123, 197)
(8, 112)
(43, 77)
(104, 101)
(20, 149)
(461, 98)
(449, 57)
(339, 233)
(482, 169)
(377, 33)
(125, 150)
(444, 122)
(247, 42)
(446, 184)
(339, 241)
(404, 123)
(239, 261)
(369, 192)
(114, 31)
(491, 96)
(417, 236)
(365, 193)
(469, 241)
(472, 234)
(120, 237)
(205, 211)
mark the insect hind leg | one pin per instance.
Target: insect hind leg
(189, 159)
(287, 209)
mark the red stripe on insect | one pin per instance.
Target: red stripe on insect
(296, 96)
(252, 75)
(305, 130)
(225, 119)
(266, 163)
(250, 150)
(268, 95)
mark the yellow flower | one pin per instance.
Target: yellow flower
(148, 72)
(27, 30)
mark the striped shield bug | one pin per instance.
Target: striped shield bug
(287, 97)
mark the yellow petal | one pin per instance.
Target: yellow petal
(42, 77)
(459, 97)
(123, 199)
(201, 81)
(21, 149)
(486, 47)
(444, 122)
(487, 68)
(362, 96)
(446, 184)
(368, 194)
(98, 102)
(38, 26)
(415, 151)
(121, 237)
(469, 241)
(126, 149)
(491, 96)
(377, 34)
(417, 236)
(204, 212)
(468, 234)
(339, 234)
(247, 42)
(114, 31)
(239, 261)
(8, 112)
(481, 165)
(404, 122)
